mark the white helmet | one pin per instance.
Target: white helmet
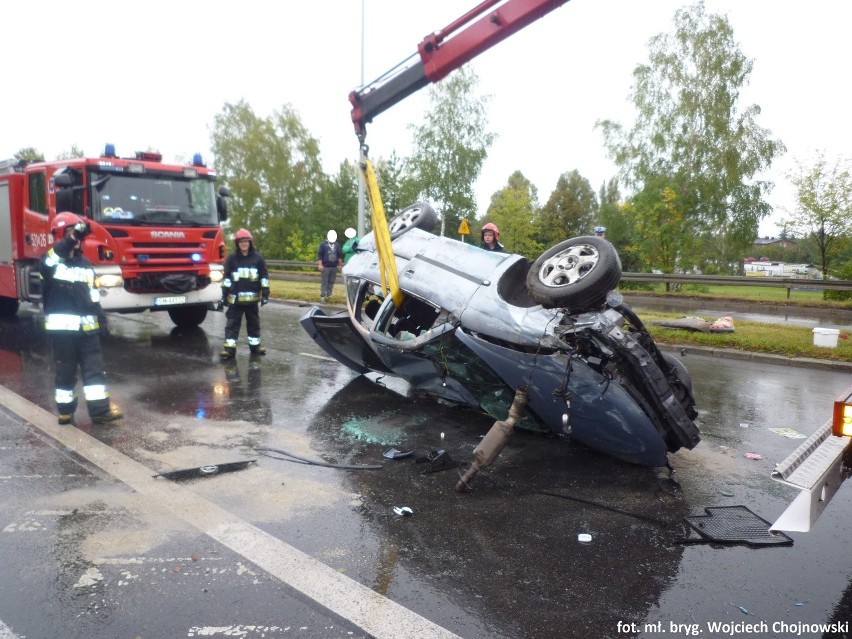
(331, 236)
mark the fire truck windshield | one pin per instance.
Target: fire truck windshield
(161, 199)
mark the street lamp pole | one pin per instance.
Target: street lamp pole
(360, 176)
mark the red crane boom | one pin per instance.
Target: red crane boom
(446, 50)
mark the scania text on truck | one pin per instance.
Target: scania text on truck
(156, 241)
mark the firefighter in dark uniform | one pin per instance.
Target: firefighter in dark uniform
(74, 319)
(246, 283)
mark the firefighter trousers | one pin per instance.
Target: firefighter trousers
(234, 321)
(73, 350)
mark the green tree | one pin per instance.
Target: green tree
(73, 152)
(571, 209)
(662, 233)
(616, 217)
(450, 147)
(272, 166)
(398, 187)
(824, 208)
(514, 209)
(690, 128)
(337, 204)
(29, 154)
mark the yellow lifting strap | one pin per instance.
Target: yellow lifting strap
(387, 261)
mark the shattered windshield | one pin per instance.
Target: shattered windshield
(153, 199)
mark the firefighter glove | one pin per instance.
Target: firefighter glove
(264, 301)
(80, 230)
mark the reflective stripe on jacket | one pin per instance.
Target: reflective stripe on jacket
(71, 301)
(246, 278)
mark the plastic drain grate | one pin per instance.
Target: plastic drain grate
(735, 525)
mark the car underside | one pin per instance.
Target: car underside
(474, 326)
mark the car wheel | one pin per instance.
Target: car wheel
(576, 274)
(683, 387)
(188, 316)
(8, 306)
(419, 215)
(679, 370)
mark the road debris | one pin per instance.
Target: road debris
(206, 471)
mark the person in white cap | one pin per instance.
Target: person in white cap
(329, 259)
(350, 245)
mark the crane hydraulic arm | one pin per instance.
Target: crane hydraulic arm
(442, 52)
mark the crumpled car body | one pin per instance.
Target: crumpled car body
(472, 328)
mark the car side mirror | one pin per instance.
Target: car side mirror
(222, 203)
(62, 180)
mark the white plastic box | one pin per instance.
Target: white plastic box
(826, 337)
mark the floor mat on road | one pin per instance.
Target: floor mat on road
(735, 525)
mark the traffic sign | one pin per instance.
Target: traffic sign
(464, 229)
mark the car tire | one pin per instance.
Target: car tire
(188, 316)
(419, 215)
(683, 387)
(8, 306)
(679, 370)
(576, 274)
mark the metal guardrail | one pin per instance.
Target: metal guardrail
(665, 278)
(738, 280)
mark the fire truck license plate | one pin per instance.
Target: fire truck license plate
(170, 301)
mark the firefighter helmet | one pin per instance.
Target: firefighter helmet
(64, 221)
(493, 228)
(243, 234)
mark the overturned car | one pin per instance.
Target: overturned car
(476, 325)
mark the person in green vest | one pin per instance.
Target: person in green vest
(350, 245)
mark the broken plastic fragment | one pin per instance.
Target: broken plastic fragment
(584, 538)
(405, 511)
(753, 456)
(206, 470)
(742, 610)
(393, 453)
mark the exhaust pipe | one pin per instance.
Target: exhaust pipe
(494, 441)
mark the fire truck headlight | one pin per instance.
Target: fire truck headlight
(195, 257)
(842, 419)
(108, 280)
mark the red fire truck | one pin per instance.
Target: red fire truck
(156, 242)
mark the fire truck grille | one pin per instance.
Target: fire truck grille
(166, 283)
(165, 253)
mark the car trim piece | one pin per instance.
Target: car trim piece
(449, 269)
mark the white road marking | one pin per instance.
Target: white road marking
(6, 632)
(328, 359)
(373, 613)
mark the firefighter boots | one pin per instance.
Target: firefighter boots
(227, 353)
(258, 350)
(112, 415)
(65, 419)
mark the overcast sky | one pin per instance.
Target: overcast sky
(155, 73)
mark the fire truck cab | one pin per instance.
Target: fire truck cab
(156, 242)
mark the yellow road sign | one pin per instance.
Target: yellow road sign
(464, 229)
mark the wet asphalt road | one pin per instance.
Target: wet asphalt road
(502, 561)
